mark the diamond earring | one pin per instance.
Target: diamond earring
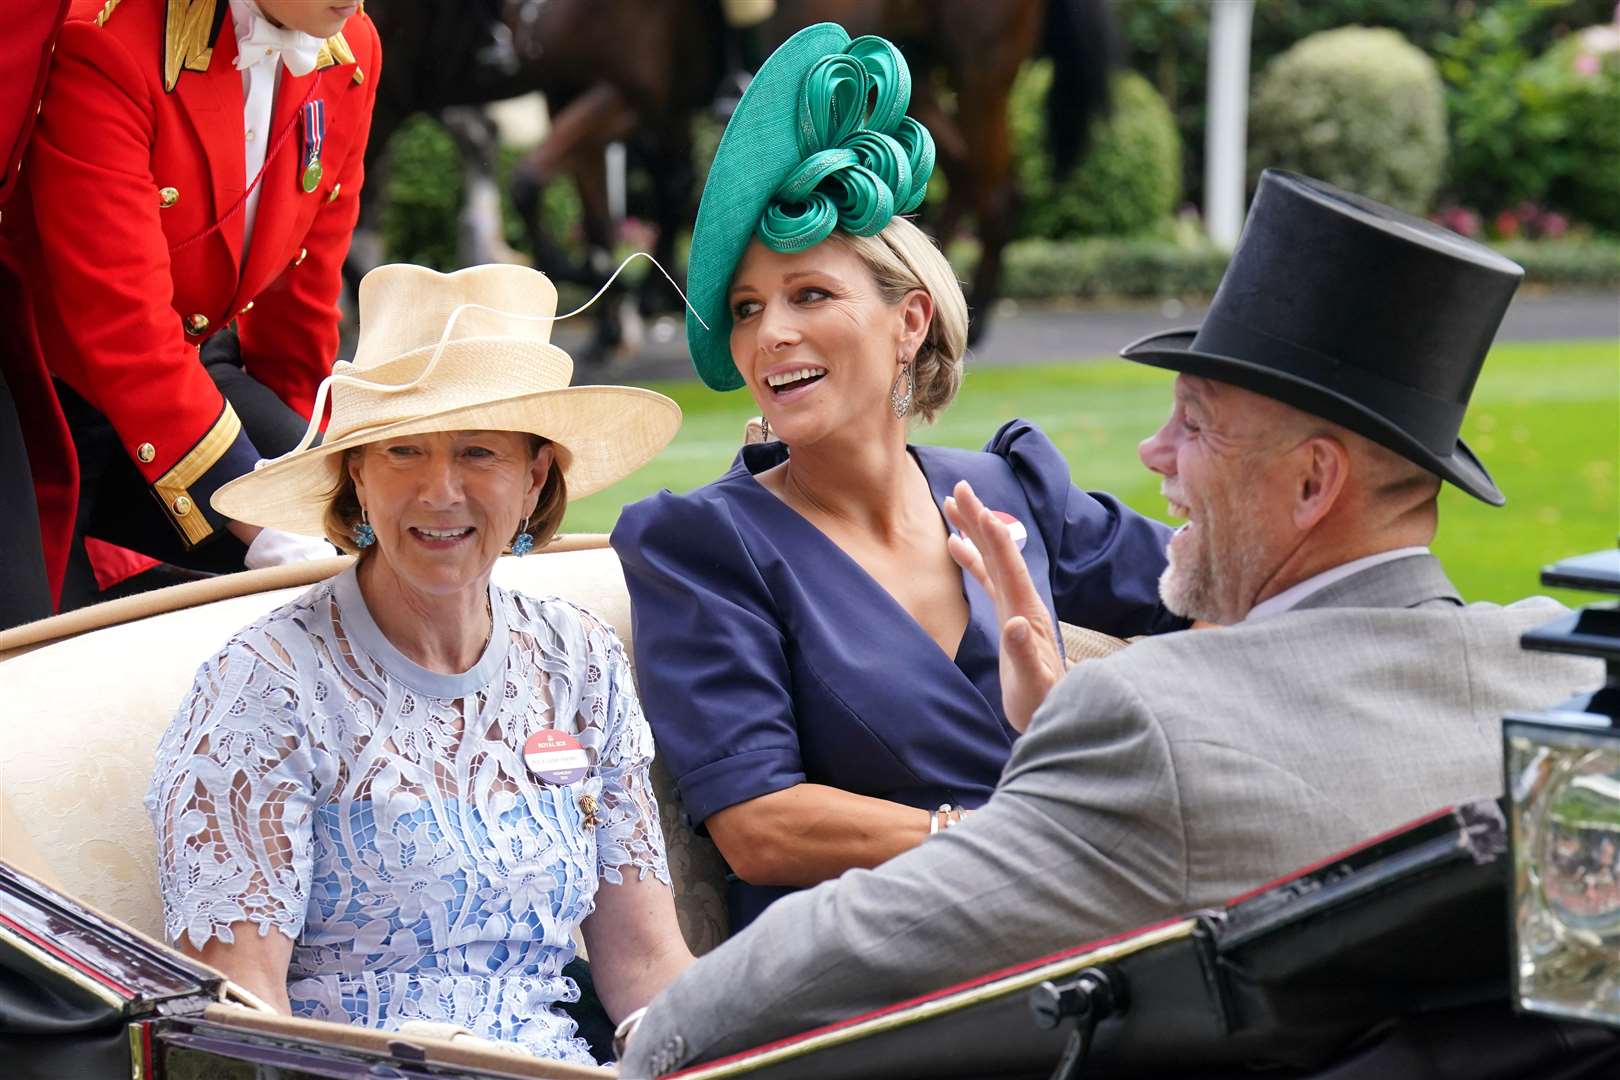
(900, 392)
(364, 535)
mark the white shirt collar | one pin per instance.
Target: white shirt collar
(258, 40)
(1292, 596)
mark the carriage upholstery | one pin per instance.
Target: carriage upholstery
(86, 696)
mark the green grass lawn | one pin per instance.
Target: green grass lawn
(1545, 419)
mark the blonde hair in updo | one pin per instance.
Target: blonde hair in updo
(902, 258)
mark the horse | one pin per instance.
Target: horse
(636, 71)
(610, 70)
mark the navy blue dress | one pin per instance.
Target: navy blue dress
(767, 657)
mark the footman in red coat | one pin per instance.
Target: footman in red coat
(194, 169)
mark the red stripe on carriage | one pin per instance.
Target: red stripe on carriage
(981, 980)
(68, 958)
(1346, 853)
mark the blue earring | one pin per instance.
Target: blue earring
(364, 536)
(522, 543)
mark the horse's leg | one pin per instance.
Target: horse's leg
(481, 237)
(588, 166)
(983, 78)
(584, 126)
(588, 125)
(669, 163)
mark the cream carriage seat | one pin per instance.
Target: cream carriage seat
(85, 697)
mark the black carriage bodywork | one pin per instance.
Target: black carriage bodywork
(1387, 961)
(86, 998)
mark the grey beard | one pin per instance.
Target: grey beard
(1196, 592)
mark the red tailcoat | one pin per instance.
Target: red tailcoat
(127, 235)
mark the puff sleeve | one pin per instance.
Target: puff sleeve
(1105, 557)
(711, 655)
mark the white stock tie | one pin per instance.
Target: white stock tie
(265, 41)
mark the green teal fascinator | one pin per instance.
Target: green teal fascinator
(820, 141)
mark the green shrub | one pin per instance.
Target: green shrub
(1356, 107)
(1168, 41)
(421, 195)
(1578, 81)
(422, 189)
(1533, 130)
(1129, 180)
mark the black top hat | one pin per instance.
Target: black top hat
(1355, 312)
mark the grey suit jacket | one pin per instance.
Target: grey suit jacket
(1173, 775)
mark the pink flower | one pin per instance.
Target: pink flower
(1553, 225)
(1506, 225)
(1586, 65)
(1459, 220)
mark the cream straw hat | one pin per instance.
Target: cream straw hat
(456, 352)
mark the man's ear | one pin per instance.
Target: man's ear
(1324, 471)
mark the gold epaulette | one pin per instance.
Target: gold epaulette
(106, 11)
(186, 30)
(334, 50)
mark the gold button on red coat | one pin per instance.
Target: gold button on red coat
(359, 76)
(146, 452)
(167, 197)
(331, 196)
(247, 307)
(196, 324)
(303, 253)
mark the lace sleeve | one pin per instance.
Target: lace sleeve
(231, 798)
(628, 832)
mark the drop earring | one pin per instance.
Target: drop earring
(364, 535)
(900, 393)
(523, 542)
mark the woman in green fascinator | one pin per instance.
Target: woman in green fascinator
(820, 676)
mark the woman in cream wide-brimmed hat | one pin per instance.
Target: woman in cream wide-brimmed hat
(394, 798)
(827, 691)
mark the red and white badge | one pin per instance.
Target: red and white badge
(556, 757)
(1014, 526)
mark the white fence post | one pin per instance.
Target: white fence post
(1226, 134)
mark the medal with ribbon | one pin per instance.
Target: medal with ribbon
(314, 122)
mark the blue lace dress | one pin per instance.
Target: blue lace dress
(318, 783)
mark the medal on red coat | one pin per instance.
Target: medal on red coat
(314, 132)
(556, 757)
(1014, 526)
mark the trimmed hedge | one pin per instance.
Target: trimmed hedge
(1128, 181)
(1105, 267)
(1357, 107)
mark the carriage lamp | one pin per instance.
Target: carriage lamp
(1563, 793)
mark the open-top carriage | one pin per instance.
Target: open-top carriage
(1391, 960)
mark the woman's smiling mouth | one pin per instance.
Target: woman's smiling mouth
(441, 538)
(786, 382)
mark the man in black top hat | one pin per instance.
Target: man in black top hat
(1347, 691)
